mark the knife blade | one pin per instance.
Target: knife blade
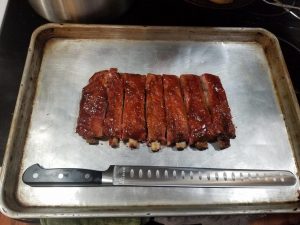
(118, 175)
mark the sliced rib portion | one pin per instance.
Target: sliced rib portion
(92, 109)
(155, 111)
(134, 123)
(113, 118)
(199, 120)
(177, 124)
(219, 109)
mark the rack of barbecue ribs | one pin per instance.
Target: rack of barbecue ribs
(189, 110)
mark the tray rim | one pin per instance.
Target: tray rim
(23, 212)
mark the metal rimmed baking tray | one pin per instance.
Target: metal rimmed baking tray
(60, 60)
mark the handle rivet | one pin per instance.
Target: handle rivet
(87, 176)
(60, 176)
(35, 175)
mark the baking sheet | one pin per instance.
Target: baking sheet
(262, 141)
(61, 58)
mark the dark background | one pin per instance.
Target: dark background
(21, 20)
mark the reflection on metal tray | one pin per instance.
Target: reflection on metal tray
(61, 59)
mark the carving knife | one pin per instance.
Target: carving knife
(38, 176)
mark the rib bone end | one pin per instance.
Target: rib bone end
(223, 142)
(114, 142)
(92, 141)
(181, 145)
(155, 146)
(133, 143)
(201, 145)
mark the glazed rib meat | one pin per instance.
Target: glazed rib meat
(113, 118)
(155, 111)
(134, 123)
(199, 120)
(190, 110)
(177, 124)
(219, 109)
(92, 110)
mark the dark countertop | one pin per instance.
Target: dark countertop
(21, 20)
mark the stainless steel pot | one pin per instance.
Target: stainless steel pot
(79, 10)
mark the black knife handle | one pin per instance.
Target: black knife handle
(38, 176)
